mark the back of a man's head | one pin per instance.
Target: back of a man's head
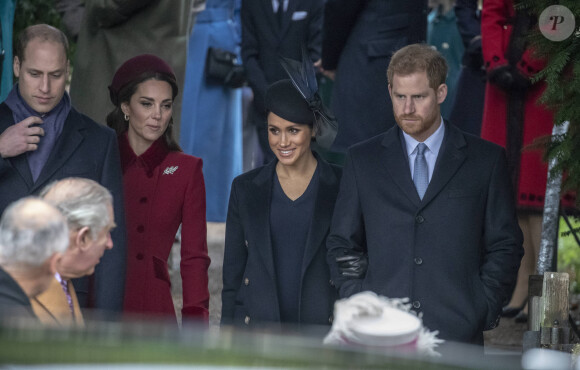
(418, 58)
(83, 202)
(31, 232)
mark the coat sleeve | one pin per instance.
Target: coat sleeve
(110, 272)
(340, 16)
(235, 257)
(347, 236)
(468, 22)
(502, 239)
(251, 53)
(194, 256)
(496, 28)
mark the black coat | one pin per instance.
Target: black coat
(83, 149)
(13, 300)
(359, 38)
(455, 253)
(263, 41)
(250, 293)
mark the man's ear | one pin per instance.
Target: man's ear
(16, 67)
(441, 93)
(53, 262)
(83, 238)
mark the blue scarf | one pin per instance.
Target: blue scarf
(53, 123)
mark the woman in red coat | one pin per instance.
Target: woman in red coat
(512, 106)
(163, 189)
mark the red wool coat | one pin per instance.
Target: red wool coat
(496, 27)
(164, 189)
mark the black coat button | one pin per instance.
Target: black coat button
(419, 219)
(140, 256)
(418, 261)
(416, 304)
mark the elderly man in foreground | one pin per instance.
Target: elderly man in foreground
(33, 235)
(88, 208)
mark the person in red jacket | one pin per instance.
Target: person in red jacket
(514, 118)
(163, 189)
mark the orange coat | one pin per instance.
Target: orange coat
(52, 309)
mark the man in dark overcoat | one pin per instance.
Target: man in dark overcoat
(43, 139)
(429, 208)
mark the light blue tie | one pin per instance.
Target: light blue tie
(421, 172)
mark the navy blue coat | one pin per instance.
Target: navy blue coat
(250, 293)
(263, 41)
(359, 38)
(455, 253)
(84, 149)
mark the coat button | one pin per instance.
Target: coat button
(247, 320)
(416, 304)
(140, 256)
(247, 281)
(418, 261)
(143, 200)
(140, 229)
(419, 219)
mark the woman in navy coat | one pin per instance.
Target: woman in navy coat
(275, 268)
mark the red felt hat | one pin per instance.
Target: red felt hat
(135, 67)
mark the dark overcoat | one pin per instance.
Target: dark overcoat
(84, 149)
(455, 253)
(359, 39)
(250, 293)
(263, 41)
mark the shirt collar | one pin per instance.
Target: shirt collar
(151, 158)
(433, 142)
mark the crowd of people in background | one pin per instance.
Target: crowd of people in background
(439, 198)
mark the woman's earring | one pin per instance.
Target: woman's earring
(126, 117)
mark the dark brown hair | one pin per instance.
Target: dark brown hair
(116, 119)
(418, 58)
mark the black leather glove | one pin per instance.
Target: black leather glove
(353, 265)
(502, 77)
(473, 55)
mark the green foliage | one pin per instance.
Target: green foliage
(562, 95)
(29, 12)
(569, 253)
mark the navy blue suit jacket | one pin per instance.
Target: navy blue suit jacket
(84, 149)
(455, 253)
(263, 41)
(249, 279)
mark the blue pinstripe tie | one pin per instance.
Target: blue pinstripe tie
(421, 172)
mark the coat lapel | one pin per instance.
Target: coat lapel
(397, 165)
(19, 163)
(451, 157)
(65, 146)
(326, 194)
(261, 200)
(287, 19)
(270, 17)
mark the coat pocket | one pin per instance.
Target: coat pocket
(160, 270)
